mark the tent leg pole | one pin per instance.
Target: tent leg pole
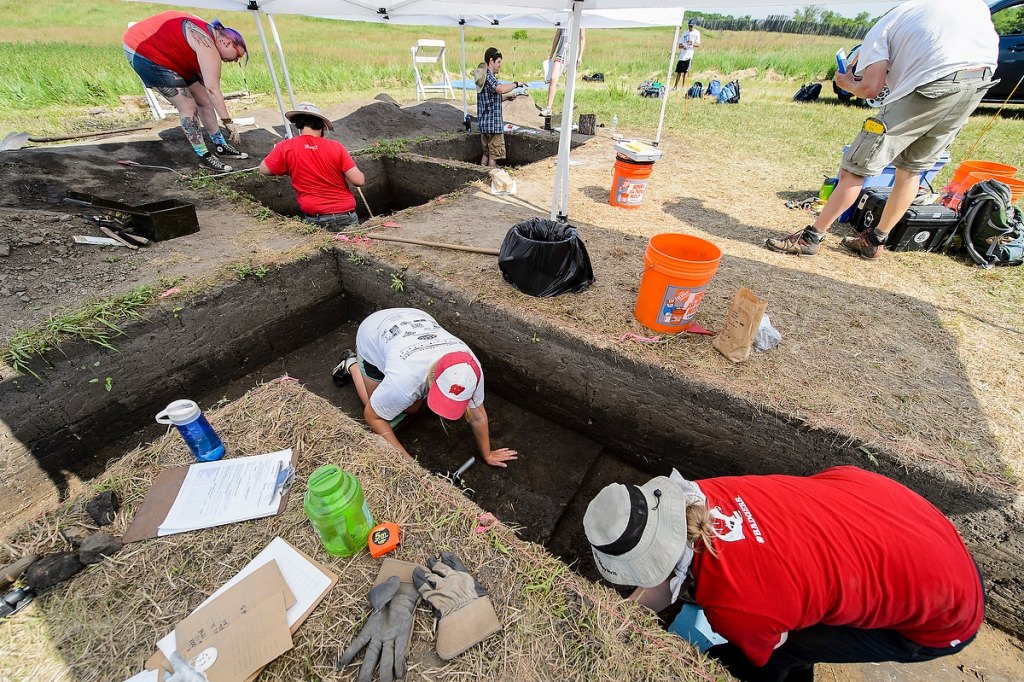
(560, 200)
(280, 58)
(465, 77)
(273, 72)
(668, 79)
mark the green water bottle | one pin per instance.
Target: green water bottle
(336, 507)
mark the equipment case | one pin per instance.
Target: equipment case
(922, 228)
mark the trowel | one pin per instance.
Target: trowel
(455, 477)
(13, 141)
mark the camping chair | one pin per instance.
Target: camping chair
(431, 52)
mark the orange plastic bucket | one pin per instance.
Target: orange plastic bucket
(677, 269)
(960, 182)
(1016, 187)
(629, 181)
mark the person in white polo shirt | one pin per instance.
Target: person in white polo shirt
(404, 358)
(937, 57)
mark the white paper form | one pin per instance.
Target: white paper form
(227, 491)
(305, 580)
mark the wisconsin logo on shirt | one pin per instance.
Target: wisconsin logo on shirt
(311, 146)
(729, 527)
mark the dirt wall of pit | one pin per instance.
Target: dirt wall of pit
(50, 429)
(659, 416)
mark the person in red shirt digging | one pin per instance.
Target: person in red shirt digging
(320, 169)
(845, 566)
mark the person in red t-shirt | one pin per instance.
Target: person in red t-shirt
(845, 566)
(321, 170)
(179, 55)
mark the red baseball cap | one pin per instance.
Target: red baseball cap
(456, 376)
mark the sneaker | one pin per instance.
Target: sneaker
(544, 112)
(803, 242)
(211, 162)
(341, 374)
(865, 245)
(230, 152)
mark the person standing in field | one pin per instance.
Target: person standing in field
(937, 57)
(321, 170)
(688, 42)
(179, 55)
(559, 52)
(488, 107)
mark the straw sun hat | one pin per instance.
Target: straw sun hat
(637, 533)
(310, 110)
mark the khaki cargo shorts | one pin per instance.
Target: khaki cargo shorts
(493, 145)
(912, 132)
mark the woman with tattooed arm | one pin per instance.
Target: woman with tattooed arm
(179, 55)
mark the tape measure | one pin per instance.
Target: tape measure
(383, 538)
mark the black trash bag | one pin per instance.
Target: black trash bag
(545, 258)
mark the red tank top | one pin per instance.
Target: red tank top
(161, 40)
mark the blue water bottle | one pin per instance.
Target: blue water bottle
(200, 437)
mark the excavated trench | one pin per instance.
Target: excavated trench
(580, 416)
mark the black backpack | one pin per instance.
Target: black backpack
(808, 92)
(696, 90)
(990, 227)
(730, 94)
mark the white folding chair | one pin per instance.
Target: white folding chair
(431, 52)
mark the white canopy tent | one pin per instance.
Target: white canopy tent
(569, 14)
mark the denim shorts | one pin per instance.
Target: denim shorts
(153, 75)
(334, 222)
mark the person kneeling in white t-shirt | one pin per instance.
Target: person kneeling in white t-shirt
(404, 357)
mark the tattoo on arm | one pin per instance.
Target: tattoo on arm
(197, 34)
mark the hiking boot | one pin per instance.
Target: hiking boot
(211, 162)
(866, 245)
(341, 374)
(803, 242)
(229, 151)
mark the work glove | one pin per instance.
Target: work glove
(387, 631)
(233, 136)
(183, 672)
(464, 613)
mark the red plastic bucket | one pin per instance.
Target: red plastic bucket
(629, 182)
(677, 270)
(962, 178)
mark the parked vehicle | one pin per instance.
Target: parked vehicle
(1008, 17)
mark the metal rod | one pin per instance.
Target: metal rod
(560, 199)
(668, 79)
(465, 76)
(273, 72)
(438, 245)
(280, 57)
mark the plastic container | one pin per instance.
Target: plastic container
(335, 505)
(200, 437)
(976, 166)
(615, 122)
(955, 193)
(677, 270)
(629, 182)
(888, 177)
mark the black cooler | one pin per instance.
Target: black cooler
(922, 228)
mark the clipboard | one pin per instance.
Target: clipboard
(161, 496)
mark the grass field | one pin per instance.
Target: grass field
(62, 59)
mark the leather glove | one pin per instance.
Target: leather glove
(232, 135)
(387, 631)
(465, 615)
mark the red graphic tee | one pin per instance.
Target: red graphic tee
(843, 547)
(161, 40)
(317, 168)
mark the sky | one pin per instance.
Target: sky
(849, 9)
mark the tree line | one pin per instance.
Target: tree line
(811, 20)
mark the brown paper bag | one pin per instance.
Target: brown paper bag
(737, 337)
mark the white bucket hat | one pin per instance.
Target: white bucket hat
(637, 533)
(311, 110)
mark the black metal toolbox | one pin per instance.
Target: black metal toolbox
(922, 228)
(157, 220)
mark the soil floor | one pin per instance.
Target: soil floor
(928, 341)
